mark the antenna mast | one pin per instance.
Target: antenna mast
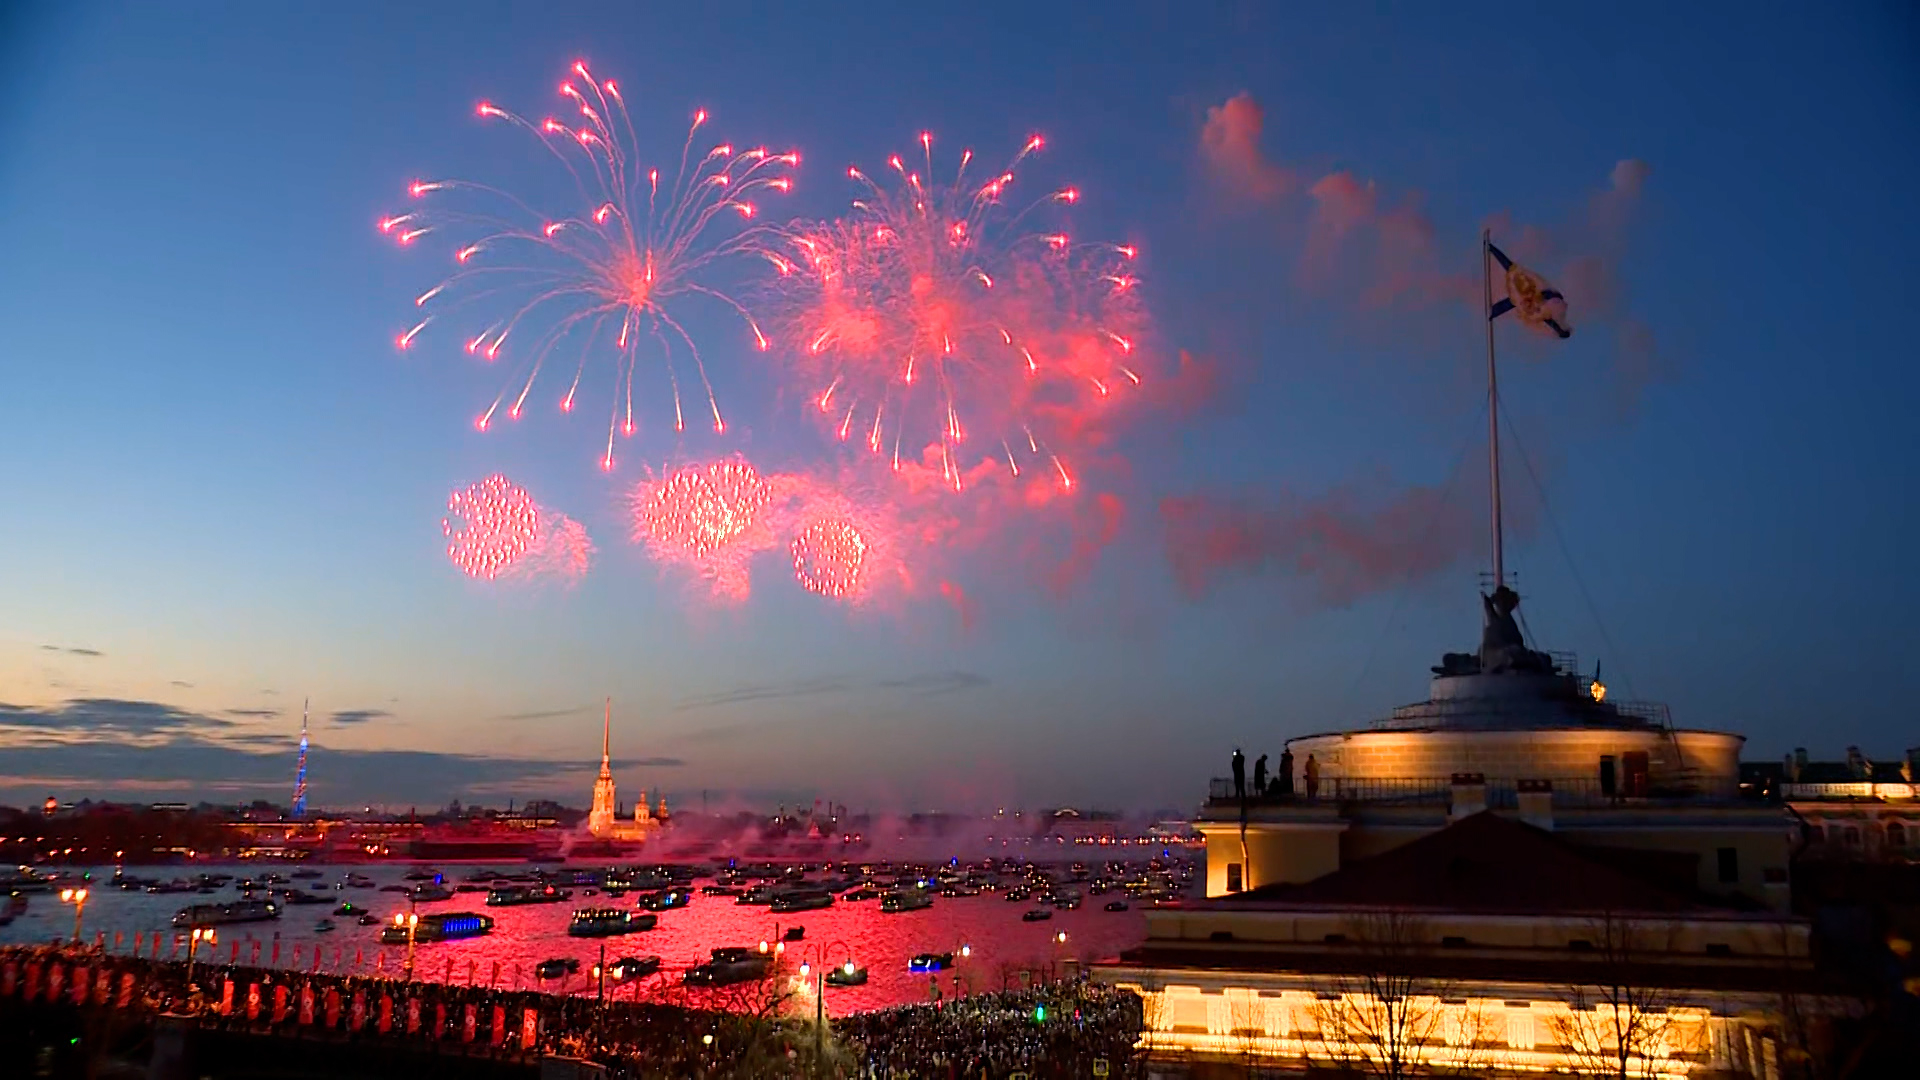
(1493, 407)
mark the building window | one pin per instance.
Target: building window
(1896, 835)
(1729, 865)
(1233, 877)
(1853, 836)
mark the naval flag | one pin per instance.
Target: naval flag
(1526, 294)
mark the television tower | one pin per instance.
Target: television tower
(300, 774)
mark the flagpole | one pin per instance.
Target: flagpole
(1493, 405)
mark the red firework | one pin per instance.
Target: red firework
(612, 268)
(932, 315)
(489, 526)
(829, 557)
(706, 517)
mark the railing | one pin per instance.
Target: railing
(1499, 794)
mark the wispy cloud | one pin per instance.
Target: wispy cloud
(256, 713)
(72, 650)
(552, 714)
(648, 763)
(108, 717)
(358, 716)
(925, 685)
(183, 684)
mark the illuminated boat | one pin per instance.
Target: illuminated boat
(241, 911)
(610, 922)
(788, 902)
(847, 975)
(527, 894)
(665, 900)
(931, 962)
(908, 900)
(730, 966)
(440, 926)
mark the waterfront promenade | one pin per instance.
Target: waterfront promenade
(77, 1009)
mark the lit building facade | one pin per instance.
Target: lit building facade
(603, 818)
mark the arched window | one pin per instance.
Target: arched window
(1896, 835)
(1853, 836)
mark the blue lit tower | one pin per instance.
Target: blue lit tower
(300, 773)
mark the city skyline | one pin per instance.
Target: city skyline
(228, 484)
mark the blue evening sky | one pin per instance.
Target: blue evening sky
(221, 478)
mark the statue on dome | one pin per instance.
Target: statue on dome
(1502, 646)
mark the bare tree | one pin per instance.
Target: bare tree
(1246, 1026)
(1619, 1021)
(1380, 1015)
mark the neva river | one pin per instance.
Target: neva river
(525, 935)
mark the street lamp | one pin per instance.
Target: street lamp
(200, 934)
(412, 922)
(819, 954)
(78, 898)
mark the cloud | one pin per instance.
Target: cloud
(256, 713)
(95, 717)
(552, 714)
(72, 650)
(183, 684)
(925, 685)
(1230, 147)
(648, 763)
(358, 716)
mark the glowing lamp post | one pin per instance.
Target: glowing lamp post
(412, 923)
(78, 898)
(199, 934)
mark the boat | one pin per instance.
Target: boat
(440, 926)
(369, 919)
(665, 900)
(422, 874)
(729, 966)
(610, 922)
(348, 907)
(1116, 905)
(629, 968)
(794, 933)
(720, 890)
(1038, 914)
(469, 887)
(847, 975)
(240, 911)
(896, 902)
(427, 894)
(930, 962)
(786, 903)
(555, 968)
(527, 894)
(306, 873)
(857, 895)
(323, 926)
(359, 881)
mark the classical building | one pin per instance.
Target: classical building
(1490, 947)
(603, 819)
(1522, 734)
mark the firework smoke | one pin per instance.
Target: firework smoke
(605, 274)
(934, 319)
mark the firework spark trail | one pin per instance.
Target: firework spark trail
(615, 269)
(932, 317)
(495, 529)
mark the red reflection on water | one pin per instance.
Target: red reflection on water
(1002, 943)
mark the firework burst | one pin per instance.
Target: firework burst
(609, 273)
(495, 529)
(710, 519)
(933, 318)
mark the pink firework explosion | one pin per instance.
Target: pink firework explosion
(489, 526)
(829, 557)
(609, 270)
(709, 518)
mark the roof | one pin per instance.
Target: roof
(1487, 864)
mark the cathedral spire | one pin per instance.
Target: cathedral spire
(606, 740)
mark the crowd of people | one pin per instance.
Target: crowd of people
(1059, 1029)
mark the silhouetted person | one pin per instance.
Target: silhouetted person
(1313, 778)
(1239, 774)
(1260, 775)
(1286, 772)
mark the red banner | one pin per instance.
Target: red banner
(306, 1005)
(276, 949)
(226, 997)
(469, 1024)
(357, 1014)
(386, 1013)
(413, 1016)
(499, 1030)
(253, 954)
(9, 978)
(529, 1029)
(125, 999)
(333, 1008)
(280, 1004)
(439, 1020)
(253, 1001)
(33, 979)
(56, 978)
(233, 952)
(102, 987)
(82, 982)
(118, 938)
